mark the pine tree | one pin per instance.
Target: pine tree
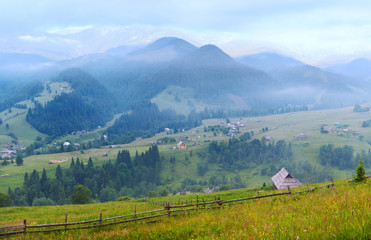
(19, 160)
(361, 173)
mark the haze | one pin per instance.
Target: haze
(316, 32)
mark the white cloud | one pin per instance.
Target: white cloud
(30, 38)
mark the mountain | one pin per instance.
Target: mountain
(213, 75)
(266, 61)
(306, 84)
(163, 50)
(358, 68)
(86, 107)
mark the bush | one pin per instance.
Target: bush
(5, 200)
(42, 202)
(81, 195)
(122, 199)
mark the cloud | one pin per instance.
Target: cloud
(30, 38)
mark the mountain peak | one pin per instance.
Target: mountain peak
(163, 50)
(209, 55)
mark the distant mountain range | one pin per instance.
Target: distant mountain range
(259, 83)
(358, 68)
(267, 61)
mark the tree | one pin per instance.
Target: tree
(361, 173)
(81, 195)
(19, 160)
(5, 200)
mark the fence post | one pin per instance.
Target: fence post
(100, 219)
(306, 181)
(288, 188)
(65, 221)
(333, 183)
(197, 202)
(168, 209)
(257, 191)
(25, 227)
(135, 213)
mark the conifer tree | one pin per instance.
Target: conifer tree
(361, 173)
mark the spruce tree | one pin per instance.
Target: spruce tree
(361, 173)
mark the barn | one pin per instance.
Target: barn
(283, 179)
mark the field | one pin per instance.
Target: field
(339, 213)
(281, 126)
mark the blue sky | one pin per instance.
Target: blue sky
(318, 32)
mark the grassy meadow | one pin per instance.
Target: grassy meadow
(339, 213)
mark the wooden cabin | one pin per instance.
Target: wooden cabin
(283, 179)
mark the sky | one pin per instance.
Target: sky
(317, 32)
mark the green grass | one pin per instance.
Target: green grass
(339, 213)
(180, 99)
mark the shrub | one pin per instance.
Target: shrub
(42, 202)
(5, 200)
(81, 195)
(123, 198)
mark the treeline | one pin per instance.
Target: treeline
(146, 120)
(123, 177)
(341, 157)
(238, 154)
(65, 114)
(366, 123)
(358, 108)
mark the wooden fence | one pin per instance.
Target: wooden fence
(166, 211)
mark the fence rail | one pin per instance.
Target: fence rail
(352, 180)
(167, 210)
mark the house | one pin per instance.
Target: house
(66, 144)
(181, 145)
(283, 179)
(337, 124)
(302, 136)
(268, 138)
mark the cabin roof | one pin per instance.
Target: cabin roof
(283, 179)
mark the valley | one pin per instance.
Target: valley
(285, 127)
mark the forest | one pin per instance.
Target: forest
(123, 177)
(146, 119)
(342, 157)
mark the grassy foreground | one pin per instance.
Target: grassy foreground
(340, 213)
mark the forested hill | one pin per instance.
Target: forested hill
(211, 73)
(88, 106)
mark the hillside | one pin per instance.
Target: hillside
(88, 106)
(213, 75)
(323, 213)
